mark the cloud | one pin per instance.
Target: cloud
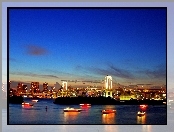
(34, 75)
(158, 72)
(153, 75)
(71, 76)
(58, 72)
(50, 76)
(78, 67)
(35, 50)
(110, 70)
(122, 73)
(147, 76)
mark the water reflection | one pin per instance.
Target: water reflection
(109, 118)
(27, 106)
(92, 128)
(109, 107)
(141, 119)
(38, 114)
(70, 116)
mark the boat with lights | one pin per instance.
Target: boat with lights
(72, 110)
(141, 113)
(34, 100)
(85, 104)
(108, 111)
(143, 106)
(26, 104)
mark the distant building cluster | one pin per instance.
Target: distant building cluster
(109, 89)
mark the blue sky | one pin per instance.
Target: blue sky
(49, 45)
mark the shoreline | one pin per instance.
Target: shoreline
(104, 101)
(93, 101)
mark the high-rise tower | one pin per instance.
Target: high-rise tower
(108, 86)
(34, 87)
(64, 85)
(45, 87)
(108, 82)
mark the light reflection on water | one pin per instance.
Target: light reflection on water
(54, 114)
(141, 119)
(70, 116)
(89, 128)
(109, 118)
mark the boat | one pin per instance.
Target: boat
(108, 111)
(141, 113)
(164, 102)
(26, 104)
(143, 106)
(85, 104)
(34, 100)
(72, 110)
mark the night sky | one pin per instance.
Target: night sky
(49, 45)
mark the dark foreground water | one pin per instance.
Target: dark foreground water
(126, 114)
(89, 128)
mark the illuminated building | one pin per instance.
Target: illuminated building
(12, 92)
(108, 86)
(64, 85)
(19, 87)
(45, 87)
(34, 87)
(24, 89)
(108, 82)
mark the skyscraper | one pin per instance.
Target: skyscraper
(45, 87)
(34, 87)
(19, 87)
(24, 89)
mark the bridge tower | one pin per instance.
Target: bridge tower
(108, 86)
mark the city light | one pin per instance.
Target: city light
(117, 92)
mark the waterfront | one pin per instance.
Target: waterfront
(126, 114)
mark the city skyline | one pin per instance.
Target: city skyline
(50, 45)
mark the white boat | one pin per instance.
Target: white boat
(141, 113)
(34, 100)
(72, 110)
(85, 104)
